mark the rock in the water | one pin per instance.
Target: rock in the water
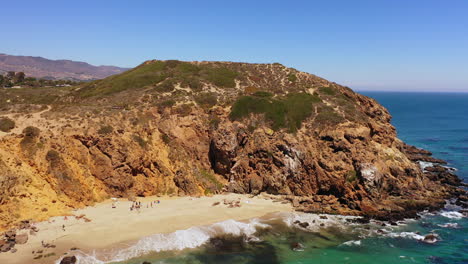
(146, 262)
(22, 238)
(296, 246)
(430, 238)
(68, 260)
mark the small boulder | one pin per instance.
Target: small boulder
(68, 260)
(6, 247)
(430, 238)
(304, 224)
(21, 238)
(295, 202)
(296, 246)
(146, 262)
(10, 235)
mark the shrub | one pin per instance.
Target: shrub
(209, 181)
(171, 63)
(327, 116)
(262, 94)
(166, 104)
(52, 156)
(186, 67)
(143, 143)
(351, 176)
(289, 111)
(222, 77)
(206, 99)
(292, 77)
(166, 86)
(191, 82)
(183, 110)
(165, 138)
(326, 90)
(31, 132)
(214, 122)
(6, 124)
(104, 130)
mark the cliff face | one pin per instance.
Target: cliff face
(169, 127)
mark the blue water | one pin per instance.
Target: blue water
(433, 121)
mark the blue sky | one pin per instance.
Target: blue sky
(367, 45)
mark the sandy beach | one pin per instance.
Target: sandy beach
(109, 227)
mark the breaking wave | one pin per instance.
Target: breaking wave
(178, 240)
(452, 215)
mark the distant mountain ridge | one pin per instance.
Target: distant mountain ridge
(55, 69)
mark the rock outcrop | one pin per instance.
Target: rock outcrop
(199, 128)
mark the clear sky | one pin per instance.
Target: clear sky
(367, 45)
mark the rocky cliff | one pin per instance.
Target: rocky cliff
(198, 128)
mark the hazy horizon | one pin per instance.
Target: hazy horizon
(366, 45)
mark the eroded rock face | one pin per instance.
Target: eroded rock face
(348, 161)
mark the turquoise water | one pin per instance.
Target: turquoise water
(437, 122)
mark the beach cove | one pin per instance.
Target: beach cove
(103, 227)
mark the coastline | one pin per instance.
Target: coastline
(118, 227)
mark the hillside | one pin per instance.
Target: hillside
(39, 67)
(198, 128)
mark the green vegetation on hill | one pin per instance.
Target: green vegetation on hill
(285, 112)
(163, 76)
(6, 124)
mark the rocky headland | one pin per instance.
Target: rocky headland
(203, 128)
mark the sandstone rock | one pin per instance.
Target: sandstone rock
(353, 165)
(21, 238)
(6, 247)
(295, 202)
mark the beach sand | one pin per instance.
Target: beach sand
(118, 227)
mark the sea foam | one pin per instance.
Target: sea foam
(452, 215)
(178, 240)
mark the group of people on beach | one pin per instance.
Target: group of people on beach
(137, 205)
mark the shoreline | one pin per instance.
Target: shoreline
(101, 227)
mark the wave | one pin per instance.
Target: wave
(410, 235)
(314, 221)
(198, 236)
(425, 164)
(452, 215)
(449, 225)
(352, 243)
(178, 240)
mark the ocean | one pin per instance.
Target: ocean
(434, 121)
